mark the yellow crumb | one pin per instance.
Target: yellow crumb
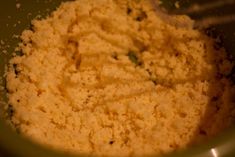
(177, 4)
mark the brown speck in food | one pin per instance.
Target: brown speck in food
(10, 111)
(202, 132)
(39, 92)
(115, 56)
(142, 15)
(129, 11)
(182, 115)
(15, 69)
(218, 44)
(154, 80)
(217, 106)
(219, 76)
(111, 142)
(78, 59)
(215, 98)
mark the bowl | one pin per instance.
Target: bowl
(15, 16)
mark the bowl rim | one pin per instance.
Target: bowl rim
(222, 145)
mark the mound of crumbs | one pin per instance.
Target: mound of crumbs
(111, 77)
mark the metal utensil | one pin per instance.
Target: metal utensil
(204, 14)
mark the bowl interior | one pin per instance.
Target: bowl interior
(16, 17)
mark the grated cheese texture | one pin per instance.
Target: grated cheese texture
(110, 77)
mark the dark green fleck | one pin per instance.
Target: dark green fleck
(133, 58)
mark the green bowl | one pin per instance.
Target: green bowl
(14, 18)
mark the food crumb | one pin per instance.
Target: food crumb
(2, 42)
(15, 36)
(18, 5)
(177, 4)
(4, 51)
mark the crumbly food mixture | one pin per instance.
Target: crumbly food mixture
(109, 77)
